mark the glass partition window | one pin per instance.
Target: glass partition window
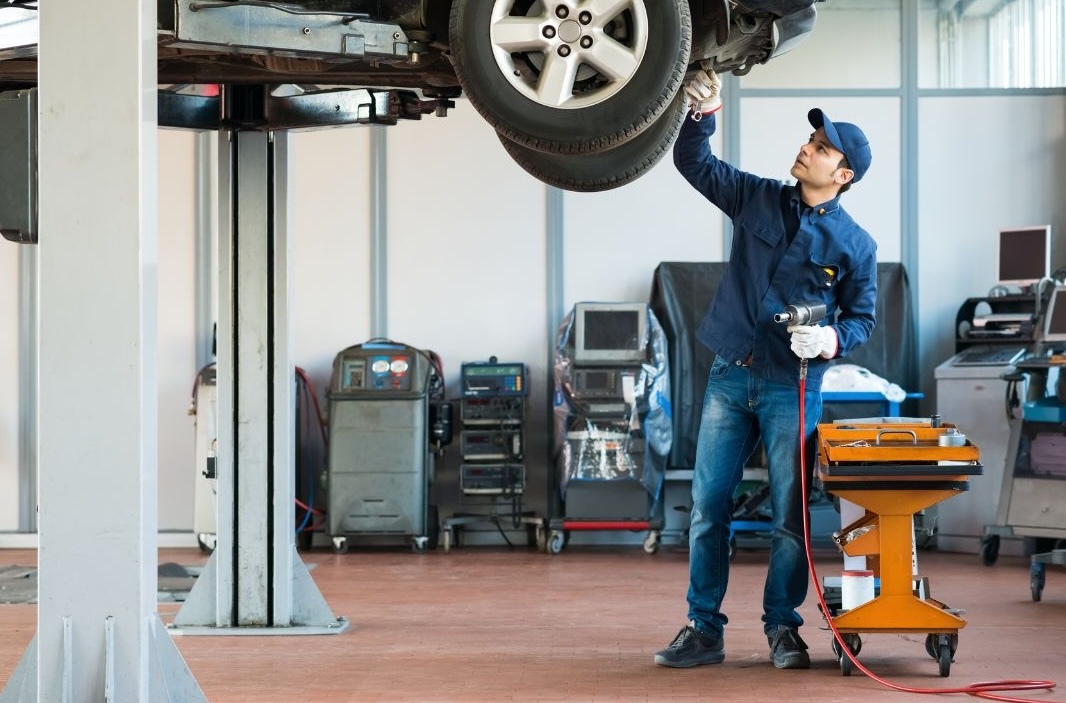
(1028, 40)
(992, 44)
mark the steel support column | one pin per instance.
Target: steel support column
(254, 581)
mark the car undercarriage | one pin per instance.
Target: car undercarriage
(557, 79)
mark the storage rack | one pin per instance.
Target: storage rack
(1017, 331)
(492, 472)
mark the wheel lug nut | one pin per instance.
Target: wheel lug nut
(562, 12)
(586, 42)
(564, 51)
(585, 17)
(549, 32)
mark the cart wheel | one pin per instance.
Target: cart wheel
(854, 644)
(651, 542)
(931, 646)
(340, 545)
(732, 547)
(419, 544)
(945, 659)
(1037, 570)
(846, 666)
(990, 550)
(555, 544)
(446, 541)
(542, 539)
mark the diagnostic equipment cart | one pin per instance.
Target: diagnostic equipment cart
(893, 471)
(1032, 501)
(612, 422)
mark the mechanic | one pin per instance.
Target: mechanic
(791, 243)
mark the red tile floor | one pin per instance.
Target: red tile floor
(491, 625)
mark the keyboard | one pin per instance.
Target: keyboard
(989, 356)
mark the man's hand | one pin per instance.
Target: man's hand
(809, 341)
(702, 92)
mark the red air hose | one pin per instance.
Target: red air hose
(981, 689)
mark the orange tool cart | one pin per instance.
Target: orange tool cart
(894, 470)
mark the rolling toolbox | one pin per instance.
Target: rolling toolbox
(893, 471)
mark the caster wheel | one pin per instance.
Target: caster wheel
(446, 541)
(340, 545)
(945, 660)
(651, 542)
(942, 648)
(990, 550)
(542, 539)
(1036, 587)
(1036, 579)
(931, 646)
(854, 644)
(419, 544)
(846, 665)
(556, 542)
(732, 547)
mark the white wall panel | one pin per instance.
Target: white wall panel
(176, 352)
(329, 192)
(616, 238)
(467, 252)
(986, 163)
(9, 388)
(774, 129)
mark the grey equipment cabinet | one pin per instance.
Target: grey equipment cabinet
(1033, 497)
(974, 397)
(380, 464)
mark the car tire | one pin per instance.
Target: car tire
(603, 170)
(649, 41)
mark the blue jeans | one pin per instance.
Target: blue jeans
(739, 408)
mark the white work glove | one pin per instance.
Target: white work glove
(702, 92)
(809, 341)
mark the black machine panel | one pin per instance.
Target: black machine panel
(492, 379)
(500, 443)
(492, 410)
(492, 479)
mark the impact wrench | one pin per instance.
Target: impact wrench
(810, 312)
(806, 313)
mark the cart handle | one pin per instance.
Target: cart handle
(912, 433)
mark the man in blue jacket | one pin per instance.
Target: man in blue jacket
(791, 243)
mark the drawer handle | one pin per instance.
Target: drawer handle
(912, 433)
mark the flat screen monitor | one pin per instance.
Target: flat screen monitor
(1055, 316)
(1024, 255)
(609, 333)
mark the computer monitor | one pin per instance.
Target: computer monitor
(1024, 255)
(610, 333)
(1055, 317)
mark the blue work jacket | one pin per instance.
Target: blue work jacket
(783, 252)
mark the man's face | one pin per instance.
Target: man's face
(818, 163)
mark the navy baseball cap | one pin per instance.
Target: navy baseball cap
(847, 138)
